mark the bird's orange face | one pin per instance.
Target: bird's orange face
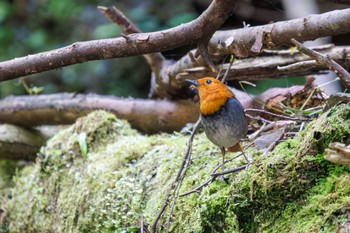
(212, 94)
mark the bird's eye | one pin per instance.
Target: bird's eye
(208, 81)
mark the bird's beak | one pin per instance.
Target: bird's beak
(193, 82)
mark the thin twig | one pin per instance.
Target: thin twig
(182, 175)
(202, 185)
(221, 67)
(258, 118)
(216, 174)
(277, 115)
(174, 185)
(116, 16)
(213, 177)
(141, 225)
(198, 188)
(228, 69)
(257, 132)
(202, 49)
(299, 66)
(155, 60)
(325, 60)
(289, 51)
(159, 215)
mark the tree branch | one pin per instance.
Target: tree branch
(157, 115)
(270, 66)
(224, 42)
(134, 44)
(154, 60)
(327, 61)
(253, 40)
(150, 116)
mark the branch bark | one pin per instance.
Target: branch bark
(196, 31)
(251, 69)
(241, 42)
(253, 40)
(17, 143)
(327, 61)
(149, 116)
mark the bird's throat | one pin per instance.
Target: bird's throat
(211, 106)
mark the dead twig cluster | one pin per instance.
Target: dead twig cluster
(325, 60)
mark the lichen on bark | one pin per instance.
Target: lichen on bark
(124, 176)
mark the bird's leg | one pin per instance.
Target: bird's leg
(223, 152)
(248, 162)
(238, 147)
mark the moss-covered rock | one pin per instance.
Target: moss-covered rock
(99, 175)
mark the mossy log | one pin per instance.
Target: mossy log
(99, 175)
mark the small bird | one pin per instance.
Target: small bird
(222, 115)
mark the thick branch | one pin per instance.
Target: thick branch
(327, 61)
(233, 41)
(253, 40)
(134, 44)
(19, 143)
(258, 68)
(250, 41)
(154, 60)
(146, 115)
(150, 116)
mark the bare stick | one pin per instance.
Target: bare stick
(299, 66)
(159, 215)
(233, 170)
(116, 16)
(258, 68)
(142, 225)
(326, 61)
(143, 114)
(177, 182)
(195, 190)
(239, 42)
(277, 115)
(134, 44)
(212, 178)
(228, 69)
(128, 27)
(202, 49)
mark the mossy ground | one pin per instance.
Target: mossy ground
(124, 175)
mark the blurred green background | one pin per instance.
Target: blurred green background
(28, 27)
(32, 26)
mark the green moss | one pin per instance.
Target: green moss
(125, 175)
(322, 209)
(7, 170)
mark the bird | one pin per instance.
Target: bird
(222, 115)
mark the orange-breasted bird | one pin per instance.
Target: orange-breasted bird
(222, 115)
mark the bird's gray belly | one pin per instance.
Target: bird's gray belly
(223, 134)
(226, 128)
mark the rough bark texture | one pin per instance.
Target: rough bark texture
(196, 31)
(262, 67)
(149, 116)
(241, 42)
(252, 40)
